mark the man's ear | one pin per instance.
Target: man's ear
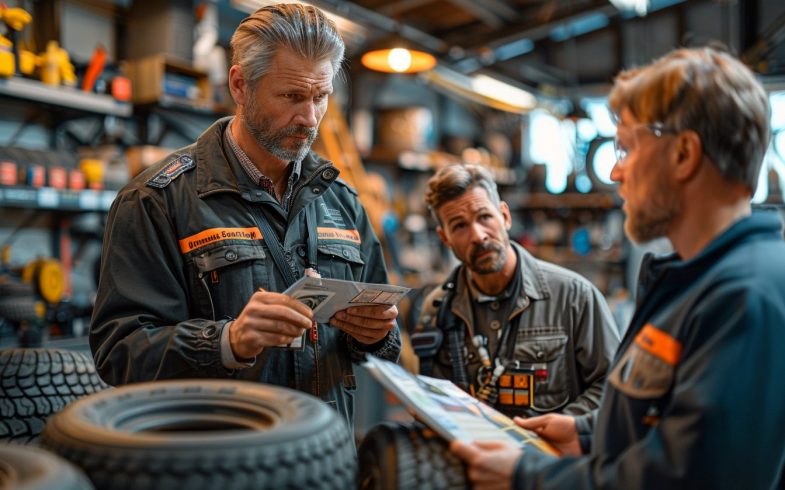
(237, 85)
(443, 236)
(504, 208)
(689, 155)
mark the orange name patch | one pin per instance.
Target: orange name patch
(659, 344)
(213, 235)
(338, 234)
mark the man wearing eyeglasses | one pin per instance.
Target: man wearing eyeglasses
(695, 396)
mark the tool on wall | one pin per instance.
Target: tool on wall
(15, 20)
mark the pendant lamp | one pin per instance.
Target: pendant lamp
(397, 56)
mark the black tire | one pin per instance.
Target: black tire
(30, 468)
(35, 383)
(10, 287)
(205, 434)
(404, 457)
(17, 310)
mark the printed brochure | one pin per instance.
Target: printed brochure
(449, 411)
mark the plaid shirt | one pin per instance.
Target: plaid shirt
(257, 176)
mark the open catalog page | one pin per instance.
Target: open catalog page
(449, 411)
(327, 296)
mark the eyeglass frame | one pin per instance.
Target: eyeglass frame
(658, 129)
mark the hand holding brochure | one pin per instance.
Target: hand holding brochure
(451, 412)
(327, 296)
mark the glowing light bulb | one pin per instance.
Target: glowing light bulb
(400, 59)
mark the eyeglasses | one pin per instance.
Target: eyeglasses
(623, 150)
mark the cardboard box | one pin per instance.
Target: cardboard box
(142, 157)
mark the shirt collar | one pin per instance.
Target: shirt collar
(255, 174)
(509, 291)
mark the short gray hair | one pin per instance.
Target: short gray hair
(302, 28)
(452, 181)
(709, 92)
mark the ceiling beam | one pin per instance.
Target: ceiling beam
(538, 29)
(396, 8)
(475, 8)
(380, 21)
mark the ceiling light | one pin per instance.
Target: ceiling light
(483, 89)
(638, 6)
(398, 59)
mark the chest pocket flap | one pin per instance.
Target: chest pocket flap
(647, 368)
(226, 255)
(541, 348)
(349, 253)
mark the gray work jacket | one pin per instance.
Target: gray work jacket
(560, 321)
(183, 253)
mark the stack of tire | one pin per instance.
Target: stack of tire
(37, 383)
(34, 385)
(408, 456)
(194, 434)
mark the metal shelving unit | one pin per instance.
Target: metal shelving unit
(40, 93)
(56, 199)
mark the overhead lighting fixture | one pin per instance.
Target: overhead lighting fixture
(399, 58)
(483, 89)
(640, 7)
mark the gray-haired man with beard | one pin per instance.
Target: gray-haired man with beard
(198, 248)
(524, 335)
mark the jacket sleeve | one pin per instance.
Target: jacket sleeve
(375, 271)
(140, 329)
(722, 426)
(596, 339)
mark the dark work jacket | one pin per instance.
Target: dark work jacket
(183, 253)
(560, 320)
(696, 396)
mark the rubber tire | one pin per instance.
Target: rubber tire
(406, 457)
(30, 468)
(36, 383)
(205, 434)
(17, 310)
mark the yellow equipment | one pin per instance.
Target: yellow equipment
(6, 57)
(16, 19)
(46, 276)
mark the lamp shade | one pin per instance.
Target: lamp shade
(397, 57)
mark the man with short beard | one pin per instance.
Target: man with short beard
(199, 248)
(695, 398)
(524, 335)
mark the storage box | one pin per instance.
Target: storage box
(141, 157)
(166, 81)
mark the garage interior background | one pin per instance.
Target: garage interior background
(542, 127)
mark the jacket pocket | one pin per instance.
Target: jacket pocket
(340, 261)
(545, 352)
(647, 368)
(641, 375)
(228, 275)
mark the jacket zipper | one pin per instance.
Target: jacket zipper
(300, 186)
(315, 340)
(314, 334)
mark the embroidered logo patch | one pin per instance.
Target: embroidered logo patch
(213, 235)
(172, 171)
(338, 234)
(659, 344)
(331, 215)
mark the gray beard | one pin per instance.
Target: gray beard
(494, 266)
(273, 141)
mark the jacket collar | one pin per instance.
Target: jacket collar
(759, 224)
(218, 170)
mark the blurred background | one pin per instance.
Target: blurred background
(94, 91)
